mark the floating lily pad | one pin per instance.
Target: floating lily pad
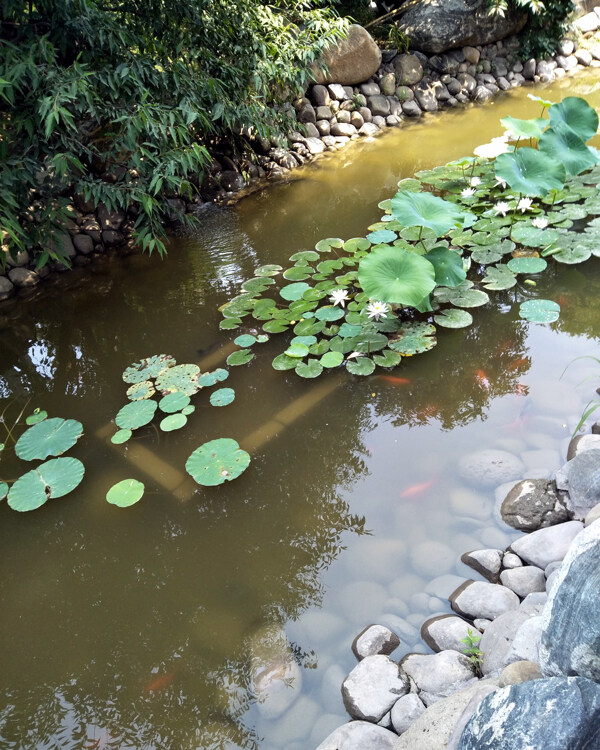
(187, 410)
(125, 493)
(52, 437)
(210, 378)
(271, 269)
(573, 255)
(531, 236)
(311, 369)
(309, 327)
(349, 331)
(321, 347)
(295, 291)
(216, 462)
(173, 402)
(3, 490)
(382, 235)
(181, 378)
(241, 357)
(332, 359)
(324, 246)
(329, 313)
(485, 256)
(453, 318)
(356, 244)
(37, 416)
(360, 366)
(461, 297)
(230, 324)
(262, 338)
(141, 391)
(52, 479)
(136, 414)
(306, 340)
(298, 273)
(276, 326)
(121, 436)
(414, 338)
(539, 310)
(283, 362)
(297, 351)
(499, 277)
(264, 309)
(527, 265)
(222, 396)
(245, 340)
(387, 358)
(257, 285)
(368, 341)
(307, 255)
(173, 422)
(148, 368)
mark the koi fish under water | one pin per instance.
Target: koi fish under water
(518, 363)
(394, 380)
(417, 489)
(161, 682)
(482, 379)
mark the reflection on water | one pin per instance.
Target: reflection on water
(138, 628)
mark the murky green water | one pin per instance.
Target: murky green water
(134, 628)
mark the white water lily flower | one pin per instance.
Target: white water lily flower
(540, 223)
(524, 204)
(377, 310)
(501, 208)
(467, 192)
(339, 297)
(474, 181)
(500, 183)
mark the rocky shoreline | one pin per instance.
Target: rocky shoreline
(534, 679)
(401, 87)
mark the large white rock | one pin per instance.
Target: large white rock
(438, 675)
(524, 580)
(372, 687)
(445, 632)
(351, 60)
(544, 546)
(476, 599)
(497, 639)
(406, 710)
(375, 639)
(526, 643)
(490, 467)
(359, 735)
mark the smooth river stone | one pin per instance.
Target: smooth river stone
(445, 632)
(583, 472)
(372, 688)
(487, 562)
(570, 642)
(551, 714)
(476, 599)
(375, 639)
(497, 639)
(432, 558)
(358, 735)
(542, 547)
(524, 580)
(488, 468)
(438, 675)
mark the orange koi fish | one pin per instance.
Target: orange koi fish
(482, 379)
(161, 682)
(518, 363)
(394, 380)
(417, 489)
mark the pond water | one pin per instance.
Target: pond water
(134, 628)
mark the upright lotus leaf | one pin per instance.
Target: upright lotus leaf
(394, 275)
(54, 478)
(530, 172)
(539, 310)
(564, 144)
(52, 437)
(125, 493)
(216, 462)
(135, 414)
(37, 416)
(525, 128)
(147, 368)
(139, 391)
(182, 378)
(447, 265)
(426, 210)
(414, 338)
(576, 114)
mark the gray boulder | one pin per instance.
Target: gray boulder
(357, 735)
(375, 639)
(476, 599)
(581, 444)
(379, 105)
(411, 108)
(405, 711)
(445, 632)
(524, 580)
(487, 562)
(490, 467)
(526, 643)
(409, 70)
(497, 639)
(542, 547)
(426, 98)
(533, 504)
(7, 288)
(23, 277)
(438, 675)
(372, 688)
(583, 474)
(350, 61)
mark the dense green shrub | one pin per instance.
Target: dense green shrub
(118, 100)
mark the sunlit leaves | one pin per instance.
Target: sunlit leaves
(395, 275)
(217, 461)
(530, 172)
(125, 493)
(135, 415)
(426, 210)
(539, 310)
(51, 437)
(52, 479)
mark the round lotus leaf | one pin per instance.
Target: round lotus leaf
(360, 366)
(283, 362)
(573, 255)
(140, 391)
(37, 416)
(397, 276)
(52, 437)
(414, 338)
(257, 285)
(324, 246)
(241, 357)
(216, 462)
(311, 369)
(147, 368)
(564, 145)
(499, 277)
(275, 326)
(356, 244)
(308, 327)
(298, 273)
(527, 265)
(230, 324)
(332, 359)
(121, 436)
(382, 236)
(187, 410)
(271, 269)
(173, 402)
(54, 478)
(387, 358)
(295, 291)
(173, 422)
(245, 340)
(261, 338)
(485, 256)
(306, 340)
(181, 378)
(368, 341)
(222, 396)
(28, 492)
(125, 493)
(210, 378)
(539, 310)
(576, 114)
(3, 490)
(530, 172)
(297, 351)
(525, 128)
(136, 414)
(329, 313)
(307, 255)
(453, 318)
(469, 298)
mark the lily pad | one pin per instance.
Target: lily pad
(453, 318)
(324, 246)
(311, 369)
(283, 362)
(216, 462)
(275, 326)
(356, 244)
(295, 291)
(120, 437)
(527, 265)
(52, 437)
(222, 396)
(369, 341)
(52, 479)
(173, 402)
(210, 378)
(187, 410)
(349, 331)
(539, 310)
(531, 236)
(332, 359)
(297, 351)
(360, 366)
(308, 327)
(573, 255)
(307, 340)
(307, 255)
(387, 358)
(298, 273)
(37, 416)
(499, 277)
(230, 324)
(485, 256)
(125, 493)
(257, 285)
(271, 269)
(414, 338)
(136, 414)
(3, 490)
(329, 313)
(382, 235)
(181, 378)
(148, 368)
(141, 391)
(173, 422)
(241, 357)
(245, 340)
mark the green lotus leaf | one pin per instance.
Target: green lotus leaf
(257, 285)
(414, 338)
(544, 102)
(332, 359)
(245, 340)
(216, 462)
(369, 341)
(37, 416)
(307, 255)
(470, 298)
(271, 269)
(3, 490)
(309, 327)
(275, 326)
(349, 331)
(230, 324)
(173, 422)
(485, 256)
(324, 246)
(310, 369)
(140, 391)
(182, 378)
(447, 265)
(283, 362)
(525, 128)
(297, 351)
(530, 236)
(426, 210)
(261, 338)
(499, 277)
(576, 114)
(453, 318)
(187, 410)
(356, 244)
(527, 265)
(329, 313)
(397, 276)
(321, 347)
(563, 144)
(135, 414)
(52, 479)
(382, 235)
(298, 273)
(360, 366)
(120, 437)
(263, 309)
(389, 324)
(52, 437)
(410, 185)
(573, 255)
(293, 292)
(306, 340)
(210, 378)
(241, 357)
(125, 493)
(313, 295)
(173, 402)
(148, 368)
(530, 172)
(387, 358)
(539, 310)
